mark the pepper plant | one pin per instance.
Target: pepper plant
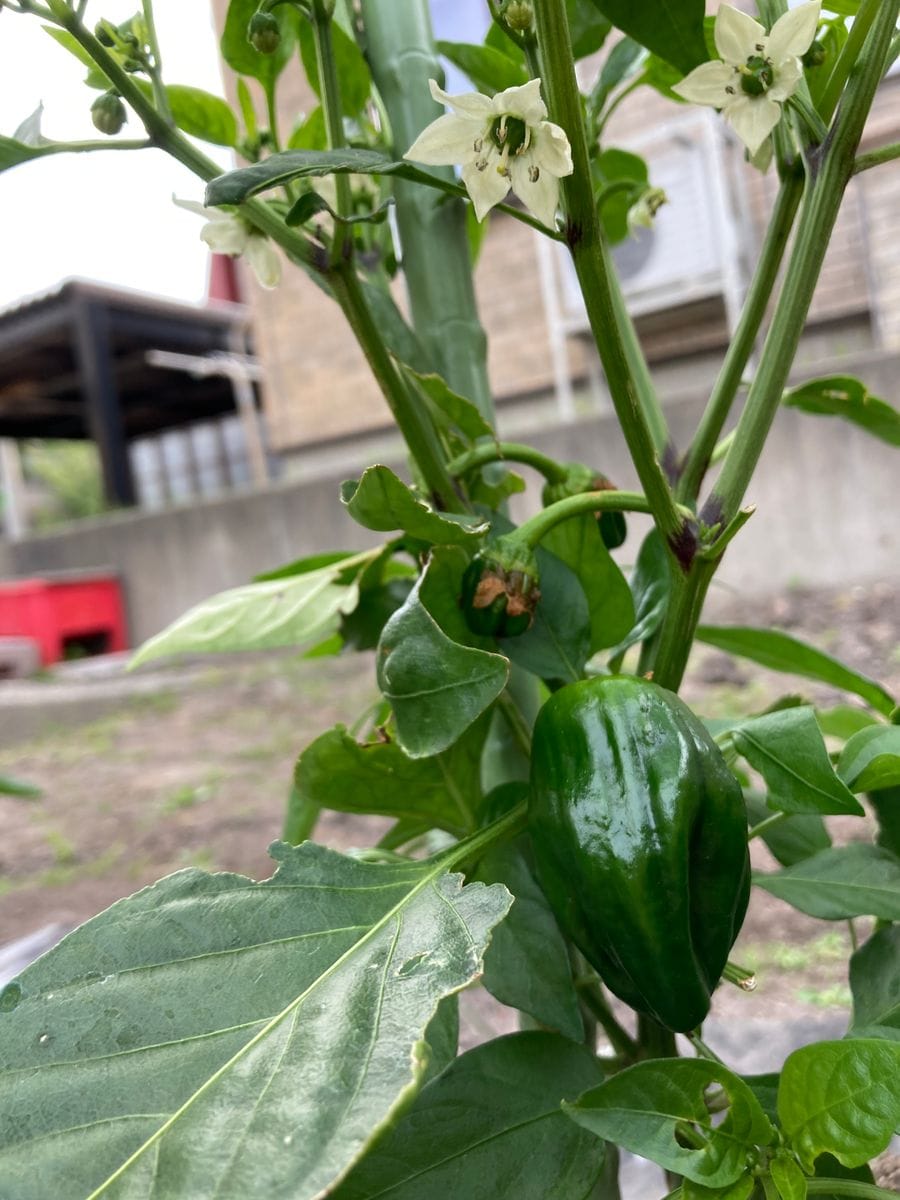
(212, 1036)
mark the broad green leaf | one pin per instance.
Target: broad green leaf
(589, 27)
(844, 396)
(781, 652)
(361, 628)
(490, 70)
(579, 545)
(202, 115)
(211, 1036)
(662, 77)
(788, 750)
(846, 881)
(875, 984)
(527, 965)
(244, 58)
(13, 153)
(398, 336)
(765, 1089)
(741, 1190)
(673, 29)
(871, 759)
(18, 787)
(788, 1178)
(279, 169)
(379, 500)
(644, 1108)
(622, 62)
(75, 48)
(886, 803)
(260, 616)
(310, 133)
(354, 80)
(490, 1128)
(843, 720)
(435, 686)
(303, 566)
(558, 644)
(453, 410)
(442, 1036)
(335, 771)
(440, 593)
(790, 841)
(650, 587)
(840, 1098)
(611, 170)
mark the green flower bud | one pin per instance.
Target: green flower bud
(264, 33)
(108, 113)
(519, 15)
(815, 55)
(105, 33)
(500, 589)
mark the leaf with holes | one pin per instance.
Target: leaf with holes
(659, 1110)
(213, 1036)
(840, 1098)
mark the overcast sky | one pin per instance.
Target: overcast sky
(103, 216)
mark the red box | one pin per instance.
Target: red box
(80, 607)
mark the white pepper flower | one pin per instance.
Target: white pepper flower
(501, 143)
(758, 71)
(226, 233)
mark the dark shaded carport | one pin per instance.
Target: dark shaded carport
(73, 364)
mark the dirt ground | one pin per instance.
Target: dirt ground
(199, 777)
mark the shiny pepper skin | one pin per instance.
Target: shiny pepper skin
(640, 841)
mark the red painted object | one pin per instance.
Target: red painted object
(76, 608)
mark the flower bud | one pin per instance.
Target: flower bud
(815, 55)
(108, 113)
(519, 15)
(105, 33)
(264, 33)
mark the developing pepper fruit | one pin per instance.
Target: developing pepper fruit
(500, 589)
(640, 841)
(579, 479)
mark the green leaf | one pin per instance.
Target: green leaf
(650, 586)
(490, 70)
(13, 153)
(379, 500)
(618, 167)
(435, 686)
(875, 984)
(840, 1098)
(578, 544)
(645, 1108)
(74, 47)
(490, 1128)
(261, 616)
(741, 1190)
(310, 562)
(844, 396)
(788, 1178)
(280, 169)
(354, 80)
(788, 750)
(337, 772)
(212, 1036)
(454, 411)
(243, 57)
(622, 62)
(527, 965)
(310, 133)
(871, 759)
(843, 720)
(781, 652)
(361, 628)
(558, 644)
(765, 1089)
(589, 27)
(886, 804)
(792, 840)
(847, 881)
(200, 114)
(662, 77)
(673, 29)
(18, 787)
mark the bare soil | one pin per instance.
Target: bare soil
(200, 777)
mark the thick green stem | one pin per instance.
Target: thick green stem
(741, 346)
(847, 58)
(593, 267)
(654, 1039)
(342, 245)
(436, 258)
(673, 644)
(875, 158)
(411, 417)
(491, 452)
(833, 167)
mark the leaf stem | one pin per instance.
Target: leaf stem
(538, 526)
(702, 449)
(159, 90)
(474, 846)
(519, 452)
(847, 58)
(342, 243)
(875, 158)
(756, 831)
(620, 1039)
(593, 267)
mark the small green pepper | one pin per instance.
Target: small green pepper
(500, 589)
(640, 840)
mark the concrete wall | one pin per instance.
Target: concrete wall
(826, 492)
